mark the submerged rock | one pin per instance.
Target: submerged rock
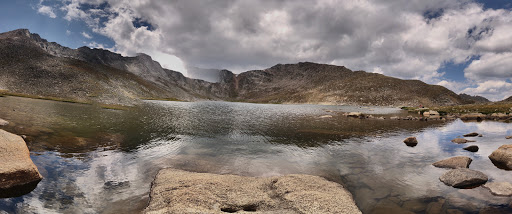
(411, 141)
(471, 148)
(454, 162)
(499, 188)
(17, 171)
(3, 122)
(177, 191)
(502, 157)
(473, 134)
(463, 178)
(461, 140)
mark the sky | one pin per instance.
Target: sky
(464, 45)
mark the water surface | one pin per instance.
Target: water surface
(96, 160)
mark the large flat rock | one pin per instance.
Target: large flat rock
(178, 191)
(16, 167)
(499, 188)
(463, 178)
(454, 162)
(502, 157)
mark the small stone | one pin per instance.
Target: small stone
(508, 137)
(3, 122)
(471, 148)
(411, 141)
(499, 188)
(473, 134)
(502, 157)
(326, 116)
(480, 135)
(454, 162)
(463, 178)
(355, 114)
(461, 140)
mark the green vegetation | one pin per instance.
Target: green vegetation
(486, 108)
(7, 93)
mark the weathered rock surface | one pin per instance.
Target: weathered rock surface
(16, 167)
(502, 157)
(411, 141)
(454, 162)
(3, 122)
(177, 191)
(473, 134)
(463, 178)
(471, 148)
(461, 140)
(499, 188)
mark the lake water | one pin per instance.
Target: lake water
(96, 160)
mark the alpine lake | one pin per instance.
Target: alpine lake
(97, 160)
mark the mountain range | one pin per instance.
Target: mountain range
(33, 66)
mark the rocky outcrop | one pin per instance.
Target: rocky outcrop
(411, 141)
(454, 162)
(463, 178)
(472, 148)
(177, 191)
(499, 188)
(17, 171)
(461, 140)
(502, 157)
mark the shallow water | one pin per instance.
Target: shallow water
(102, 161)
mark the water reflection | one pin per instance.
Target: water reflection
(103, 161)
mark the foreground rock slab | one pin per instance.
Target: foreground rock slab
(16, 168)
(499, 188)
(177, 191)
(454, 162)
(502, 157)
(411, 141)
(463, 178)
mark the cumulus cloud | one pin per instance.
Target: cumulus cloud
(494, 90)
(86, 35)
(406, 38)
(46, 10)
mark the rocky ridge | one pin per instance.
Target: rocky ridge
(30, 64)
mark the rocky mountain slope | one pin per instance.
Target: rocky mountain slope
(31, 65)
(476, 99)
(508, 100)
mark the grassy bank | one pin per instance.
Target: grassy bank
(4, 93)
(484, 108)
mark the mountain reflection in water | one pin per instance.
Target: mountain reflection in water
(96, 160)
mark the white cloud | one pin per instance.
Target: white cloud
(86, 35)
(491, 66)
(394, 38)
(68, 32)
(46, 10)
(494, 90)
(455, 86)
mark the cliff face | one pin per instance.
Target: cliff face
(34, 66)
